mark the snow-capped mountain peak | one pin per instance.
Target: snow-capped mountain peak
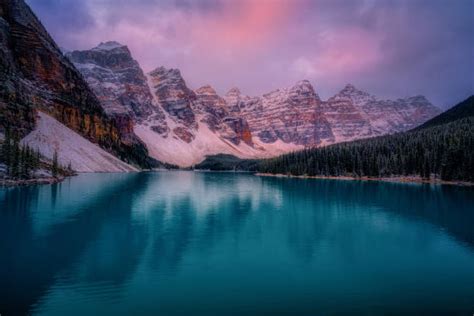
(170, 74)
(350, 90)
(206, 90)
(304, 84)
(181, 126)
(116, 79)
(110, 45)
(233, 92)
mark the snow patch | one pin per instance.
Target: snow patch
(50, 136)
(176, 151)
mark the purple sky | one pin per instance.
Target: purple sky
(389, 48)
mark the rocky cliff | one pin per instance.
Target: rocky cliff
(116, 79)
(34, 74)
(214, 112)
(355, 114)
(292, 115)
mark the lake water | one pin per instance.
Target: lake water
(184, 243)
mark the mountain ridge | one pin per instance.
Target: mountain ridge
(276, 122)
(441, 152)
(461, 110)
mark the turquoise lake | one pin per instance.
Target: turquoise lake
(189, 243)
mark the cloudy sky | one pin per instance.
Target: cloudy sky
(391, 48)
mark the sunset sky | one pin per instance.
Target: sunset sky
(389, 48)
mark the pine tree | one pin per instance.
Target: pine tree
(21, 161)
(37, 159)
(22, 166)
(15, 157)
(55, 165)
(6, 149)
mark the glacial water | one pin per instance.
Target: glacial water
(185, 243)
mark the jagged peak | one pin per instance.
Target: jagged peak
(207, 89)
(350, 89)
(233, 91)
(420, 98)
(303, 85)
(163, 71)
(110, 45)
(304, 82)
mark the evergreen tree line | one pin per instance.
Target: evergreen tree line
(445, 151)
(21, 161)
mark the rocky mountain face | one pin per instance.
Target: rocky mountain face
(176, 99)
(355, 114)
(116, 79)
(297, 115)
(189, 109)
(292, 115)
(215, 113)
(344, 114)
(34, 75)
(182, 126)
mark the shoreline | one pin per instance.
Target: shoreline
(405, 179)
(221, 171)
(6, 183)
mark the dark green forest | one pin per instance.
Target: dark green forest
(442, 149)
(223, 162)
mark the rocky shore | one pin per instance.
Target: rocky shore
(25, 182)
(404, 179)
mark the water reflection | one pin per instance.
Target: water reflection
(127, 241)
(32, 262)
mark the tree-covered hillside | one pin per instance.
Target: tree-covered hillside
(444, 151)
(461, 110)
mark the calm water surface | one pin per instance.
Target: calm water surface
(184, 243)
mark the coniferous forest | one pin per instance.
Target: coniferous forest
(21, 162)
(444, 151)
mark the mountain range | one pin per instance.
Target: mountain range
(181, 126)
(123, 118)
(442, 149)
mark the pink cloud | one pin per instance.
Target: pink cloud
(342, 53)
(236, 29)
(245, 24)
(261, 45)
